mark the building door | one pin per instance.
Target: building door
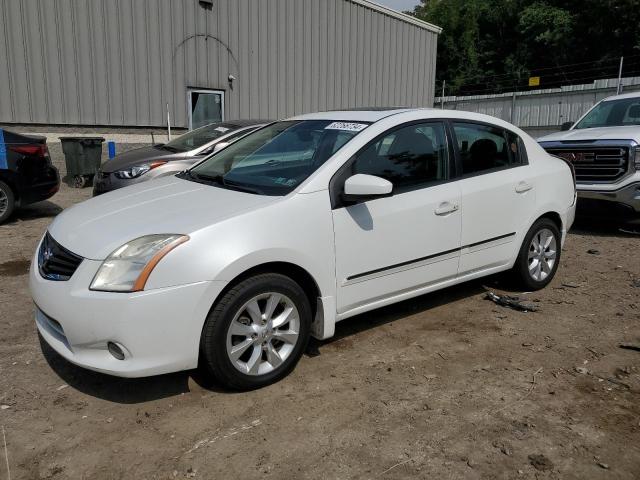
(204, 107)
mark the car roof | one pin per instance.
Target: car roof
(374, 115)
(354, 115)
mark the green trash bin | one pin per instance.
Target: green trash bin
(82, 156)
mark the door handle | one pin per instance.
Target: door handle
(523, 187)
(445, 208)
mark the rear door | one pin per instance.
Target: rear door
(394, 245)
(498, 194)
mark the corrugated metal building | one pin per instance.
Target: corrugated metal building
(120, 62)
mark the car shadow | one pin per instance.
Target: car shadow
(34, 211)
(125, 390)
(604, 228)
(397, 311)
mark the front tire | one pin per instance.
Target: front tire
(7, 202)
(539, 255)
(256, 333)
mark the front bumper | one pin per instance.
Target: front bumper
(159, 330)
(621, 204)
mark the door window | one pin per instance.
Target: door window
(205, 107)
(483, 147)
(408, 157)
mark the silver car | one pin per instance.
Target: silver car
(146, 163)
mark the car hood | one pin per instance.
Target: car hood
(631, 132)
(138, 156)
(95, 228)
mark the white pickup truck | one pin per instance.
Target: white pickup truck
(604, 147)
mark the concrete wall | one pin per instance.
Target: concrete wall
(119, 62)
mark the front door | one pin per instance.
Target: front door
(390, 246)
(204, 107)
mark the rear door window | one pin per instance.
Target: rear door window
(485, 147)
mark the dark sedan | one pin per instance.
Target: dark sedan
(147, 163)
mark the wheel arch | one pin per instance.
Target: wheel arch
(322, 307)
(12, 185)
(554, 217)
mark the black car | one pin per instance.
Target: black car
(26, 173)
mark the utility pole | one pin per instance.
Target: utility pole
(619, 89)
(442, 96)
(168, 123)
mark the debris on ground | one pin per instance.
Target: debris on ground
(581, 370)
(570, 285)
(593, 251)
(603, 465)
(630, 346)
(511, 302)
(540, 462)
(504, 447)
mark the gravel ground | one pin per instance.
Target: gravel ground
(448, 385)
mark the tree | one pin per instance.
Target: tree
(495, 45)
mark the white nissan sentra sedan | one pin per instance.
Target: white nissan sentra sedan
(234, 263)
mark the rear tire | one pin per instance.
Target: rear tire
(256, 333)
(539, 255)
(7, 202)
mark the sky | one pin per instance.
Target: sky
(400, 5)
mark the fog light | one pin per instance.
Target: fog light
(115, 350)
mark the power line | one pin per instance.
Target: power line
(478, 80)
(523, 88)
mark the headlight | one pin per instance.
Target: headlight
(128, 267)
(137, 170)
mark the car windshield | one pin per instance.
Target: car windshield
(277, 158)
(199, 137)
(612, 113)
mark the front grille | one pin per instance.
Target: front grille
(56, 262)
(595, 164)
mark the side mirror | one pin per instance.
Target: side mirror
(361, 187)
(566, 126)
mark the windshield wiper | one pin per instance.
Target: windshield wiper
(220, 180)
(169, 148)
(242, 188)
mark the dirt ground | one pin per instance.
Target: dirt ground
(448, 385)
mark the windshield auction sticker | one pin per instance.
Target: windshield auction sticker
(348, 126)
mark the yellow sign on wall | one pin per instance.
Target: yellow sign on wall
(534, 81)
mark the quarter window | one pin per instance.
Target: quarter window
(483, 147)
(409, 156)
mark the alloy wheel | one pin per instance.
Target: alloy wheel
(263, 333)
(4, 202)
(542, 254)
